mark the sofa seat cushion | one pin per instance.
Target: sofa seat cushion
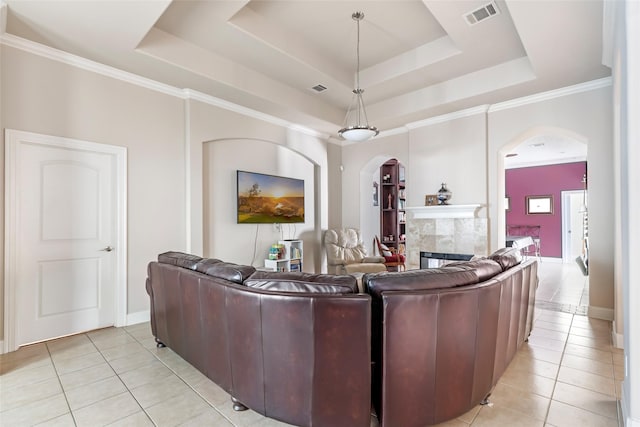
(302, 282)
(507, 257)
(365, 267)
(416, 280)
(179, 259)
(485, 268)
(395, 258)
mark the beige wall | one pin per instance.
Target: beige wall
(360, 161)
(452, 152)
(334, 161)
(586, 115)
(465, 153)
(172, 205)
(48, 97)
(2, 127)
(221, 142)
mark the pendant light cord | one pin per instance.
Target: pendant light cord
(358, 55)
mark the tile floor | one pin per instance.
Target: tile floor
(568, 374)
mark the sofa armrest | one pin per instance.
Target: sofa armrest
(373, 259)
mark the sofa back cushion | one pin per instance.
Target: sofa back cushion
(302, 282)
(485, 268)
(416, 280)
(225, 270)
(212, 267)
(180, 259)
(507, 257)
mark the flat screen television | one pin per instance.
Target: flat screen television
(266, 199)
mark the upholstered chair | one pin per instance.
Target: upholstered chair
(346, 253)
(392, 257)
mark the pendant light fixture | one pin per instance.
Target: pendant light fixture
(359, 130)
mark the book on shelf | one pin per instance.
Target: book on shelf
(295, 253)
(295, 265)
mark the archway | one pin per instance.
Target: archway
(548, 164)
(510, 147)
(369, 212)
(223, 237)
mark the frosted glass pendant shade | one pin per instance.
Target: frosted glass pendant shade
(358, 133)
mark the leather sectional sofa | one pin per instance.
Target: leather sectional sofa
(420, 347)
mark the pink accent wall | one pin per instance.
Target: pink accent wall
(542, 181)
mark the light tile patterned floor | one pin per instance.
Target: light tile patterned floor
(568, 374)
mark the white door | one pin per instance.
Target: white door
(572, 225)
(66, 234)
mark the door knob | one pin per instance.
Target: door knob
(108, 249)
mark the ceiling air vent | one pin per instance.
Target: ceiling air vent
(319, 88)
(485, 12)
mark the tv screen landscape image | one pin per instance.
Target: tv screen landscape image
(265, 199)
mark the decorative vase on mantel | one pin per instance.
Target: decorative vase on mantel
(444, 195)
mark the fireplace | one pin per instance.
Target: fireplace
(438, 259)
(446, 229)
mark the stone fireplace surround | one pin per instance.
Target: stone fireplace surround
(445, 228)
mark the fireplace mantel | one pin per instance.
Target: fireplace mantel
(444, 211)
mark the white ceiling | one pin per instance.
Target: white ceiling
(419, 59)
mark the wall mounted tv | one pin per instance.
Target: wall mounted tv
(268, 199)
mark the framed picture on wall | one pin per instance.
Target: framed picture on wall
(375, 193)
(539, 205)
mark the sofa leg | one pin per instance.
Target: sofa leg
(237, 406)
(159, 343)
(485, 401)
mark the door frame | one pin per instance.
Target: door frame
(566, 223)
(12, 246)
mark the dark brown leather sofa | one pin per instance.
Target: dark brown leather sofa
(423, 346)
(300, 355)
(441, 338)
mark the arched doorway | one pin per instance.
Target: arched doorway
(545, 194)
(370, 212)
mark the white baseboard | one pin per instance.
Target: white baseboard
(600, 313)
(627, 421)
(616, 338)
(139, 317)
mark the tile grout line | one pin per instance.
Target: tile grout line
(555, 382)
(181, 379)
(120, 379)
(64, 393)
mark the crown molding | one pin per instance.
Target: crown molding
(513, 103)
(551, 94)
(481, 109)
(108, 71)
(115, 73)
(395, 131)
(217, 102)
(87, 64)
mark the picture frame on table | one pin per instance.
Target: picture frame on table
(431, 200)
(539, 205)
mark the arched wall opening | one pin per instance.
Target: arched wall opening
(509, 147)
(249, 244)
(369, 212)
